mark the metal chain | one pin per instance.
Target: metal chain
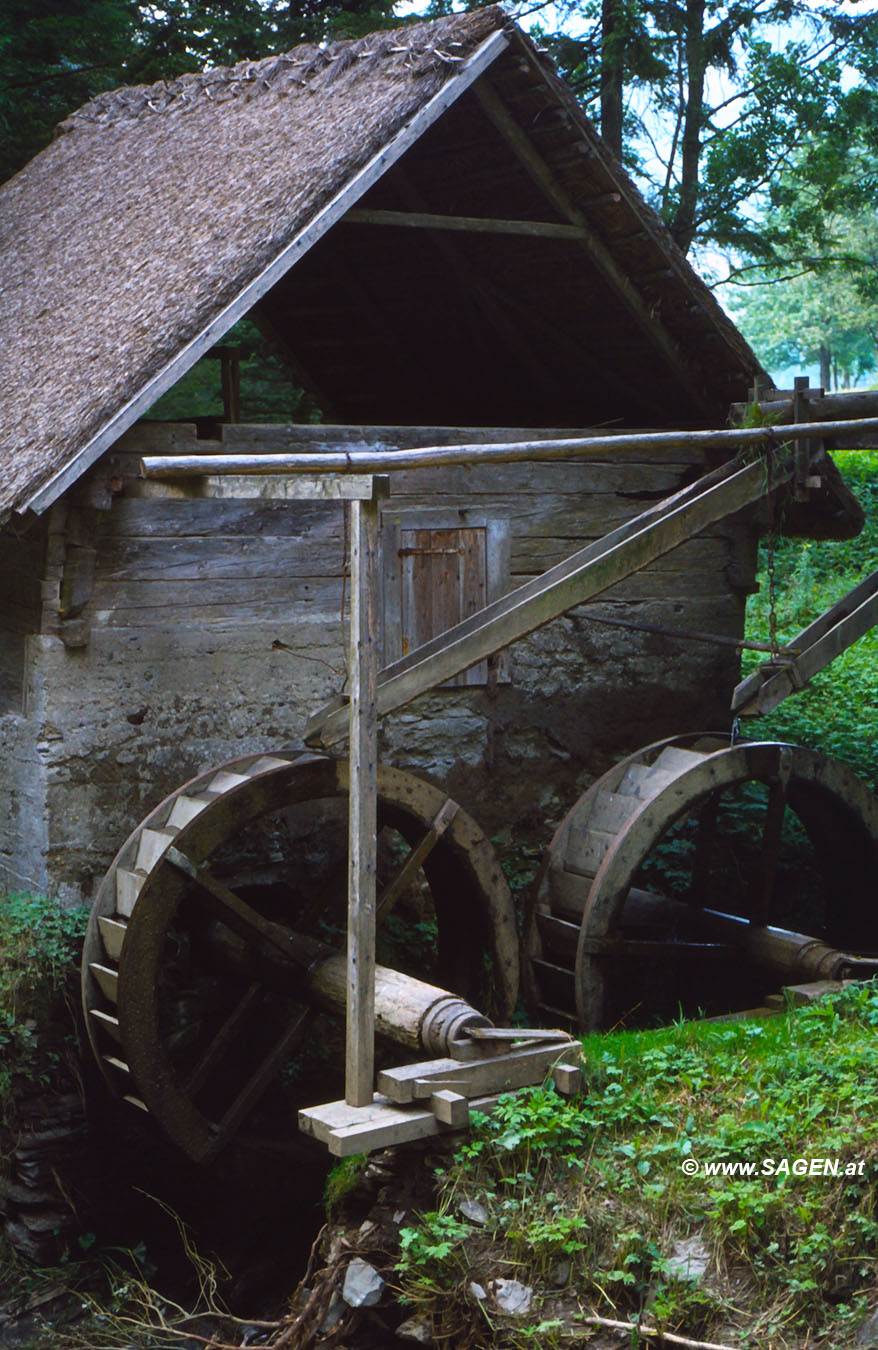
(770, 553)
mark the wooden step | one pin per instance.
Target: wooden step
(107, 980)
(559, 935)
(267, 764)
(113, 936)
(568, 892)
(151, 847)
(224, 781)
(673, 759)
(586, 849)
(186, 809)
(611, 811)
(642, 781)
(549, 968)
(108, 1023)
(118, 1064)
(128, 886)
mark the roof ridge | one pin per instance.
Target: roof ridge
(425, 45)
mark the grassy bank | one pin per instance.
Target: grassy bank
(588, 1202)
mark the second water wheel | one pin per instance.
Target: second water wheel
(697, 874)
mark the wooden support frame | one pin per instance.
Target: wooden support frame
(809, 651)
(540, 173)
(577, 579)
(572, 448)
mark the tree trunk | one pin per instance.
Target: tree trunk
(684, 222)
(612, 56)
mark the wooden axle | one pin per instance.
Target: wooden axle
(795, 956)
(407, 1011)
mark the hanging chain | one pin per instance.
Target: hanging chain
(770, 553)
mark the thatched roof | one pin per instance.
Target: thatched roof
(160, 215)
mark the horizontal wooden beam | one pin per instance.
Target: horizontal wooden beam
(592, 570)
(425, 220)
(265, 487)
(343, 461)
(810, 651)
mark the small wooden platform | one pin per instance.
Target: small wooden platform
(436, 1096)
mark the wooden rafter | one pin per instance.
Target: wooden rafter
(541, 174)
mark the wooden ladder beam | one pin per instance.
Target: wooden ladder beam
(817, 645)
(592, 570)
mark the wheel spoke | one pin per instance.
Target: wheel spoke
(242, 918)
(704, 840)
(414, 860)
(260, 1081)
(221, 1040)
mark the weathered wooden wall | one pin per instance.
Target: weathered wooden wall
(178, 633)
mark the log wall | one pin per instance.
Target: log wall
(178, 633)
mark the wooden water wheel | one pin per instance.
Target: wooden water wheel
(696, 873)
(199, 958)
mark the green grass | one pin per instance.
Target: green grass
(598, 1182)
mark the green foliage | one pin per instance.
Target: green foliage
(838, 711)
(39, 947)
(720, 97)
(269, 390)
(598, 1181)
(343, 1178)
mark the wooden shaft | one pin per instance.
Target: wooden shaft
(510, 452)
(408, 1011)
(362, 808)
(795, 956)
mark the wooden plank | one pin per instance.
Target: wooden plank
(425, 220)
(586, 574)
(418, 855)
(818, 644)
(457, 84)
(198, 484)
(498, 1073)
(363, 810)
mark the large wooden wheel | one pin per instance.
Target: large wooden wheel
(196, 1011)
(774, 835)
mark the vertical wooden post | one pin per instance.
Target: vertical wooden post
(801, 413)
(362, 820)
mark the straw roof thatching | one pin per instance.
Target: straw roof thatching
(128, 247)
